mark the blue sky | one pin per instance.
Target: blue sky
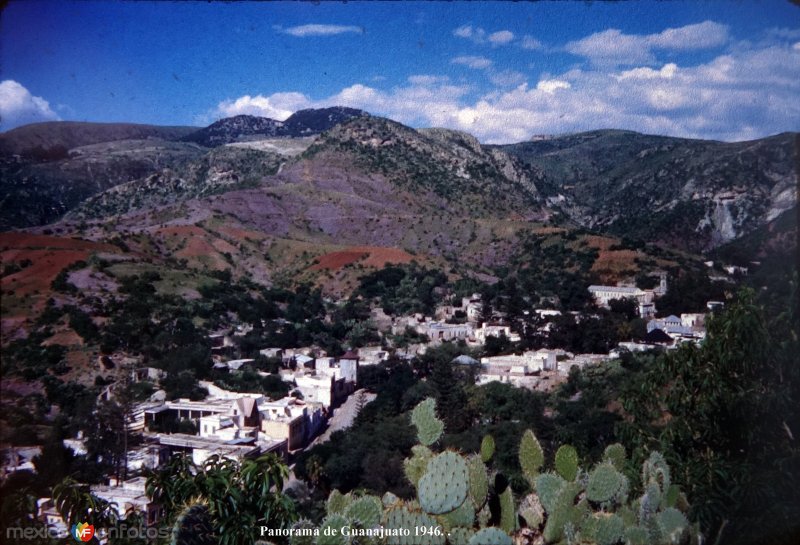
(502, 71)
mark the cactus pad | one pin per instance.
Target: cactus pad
(508, 515)
(193, 526)
(672, 524)
(605, 483)
(445, 484)
(367, 510)
(463, 515)
(487, 448)
(415, 466)
(389, 499)
(478, 481)
(303, 524)
(565, 513)
(335, 523)
(656, 470)
(337, 502)
(636, 535)
(531, 456)
(567, 462)
(460, 536)
(604, 528)
(531, 511)
(616, 455)
(429, 427)
(548, 486)
(402, 516)
(490, 536)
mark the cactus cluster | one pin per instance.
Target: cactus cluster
(193, 526)
(459, 498)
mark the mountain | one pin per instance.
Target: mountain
(231, 129)
(318, 120)
(54, 139)
(367, 182)
(694, 194)
(36, 192)
(247, 127)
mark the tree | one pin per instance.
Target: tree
(239, 496)
(724, 413)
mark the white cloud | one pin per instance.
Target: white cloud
(427, 79)
(477, 35)
(477, 63)
(736, 96)
(552, 85)
(19, 107)
(480, 36)
(529, 42)
(501, 37)
(303, 31)
(276, 106)
(612, 47)
(667, 71)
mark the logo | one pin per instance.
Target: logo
(83, 531)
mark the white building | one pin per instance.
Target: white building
(129, 496)
(495, 330)
(439, 332)
(603, 294)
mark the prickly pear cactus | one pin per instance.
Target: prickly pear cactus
(404, 516)
(567, 462)
(603, 528)
(605, 483)
(548, 485)
(531, 455)
(490, 536)
(329, 530)
(478, 481)
(193, 526)
(532, 511)
(616, 455)
(296, 539)
(429, 427)
(508, 515)
(389, 499)
(460, 536)
(461, 516)
(487, 448)
(445, 484)
(367, 510)
(672, 525)
(337, 502)
(415, 466)
(655, 470)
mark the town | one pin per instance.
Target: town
(243, 425)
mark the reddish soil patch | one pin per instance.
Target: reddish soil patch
(615, 260)
(337, 260)
(181, 230)
(370, 256)
(223, 246)
(46, 266)
(49, 255)
(601, 243)
(65, 338)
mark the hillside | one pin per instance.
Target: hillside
(248, 127)
(693, 194)
(56, 137)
